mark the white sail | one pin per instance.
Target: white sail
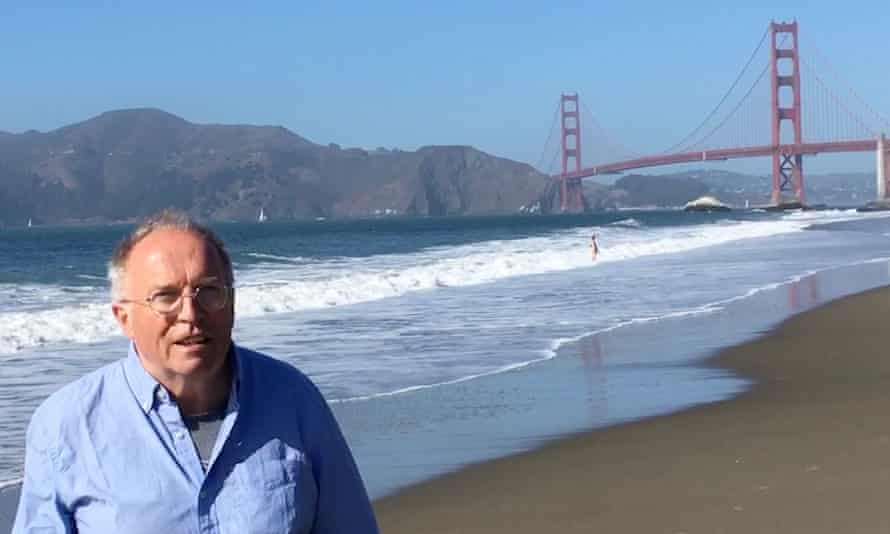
(29, 223)
(262, 217)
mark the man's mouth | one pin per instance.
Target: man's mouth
(193, 341)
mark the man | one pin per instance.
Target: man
(594, 247)
(189, 432)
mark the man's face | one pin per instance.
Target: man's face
(190, 343)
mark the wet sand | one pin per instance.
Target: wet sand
(806, 450)
(8, 502)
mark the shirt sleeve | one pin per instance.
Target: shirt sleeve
(343, 506)
(39, 508)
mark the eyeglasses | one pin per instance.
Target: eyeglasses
(211, 298)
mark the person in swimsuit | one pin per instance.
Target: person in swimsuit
(594, 248)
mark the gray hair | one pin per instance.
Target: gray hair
(168, 219)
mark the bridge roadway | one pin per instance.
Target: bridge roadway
(724, 154)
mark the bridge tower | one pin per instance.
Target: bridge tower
(882, 166)
(787, 166)
(571, 196)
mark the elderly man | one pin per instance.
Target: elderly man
(189, 432)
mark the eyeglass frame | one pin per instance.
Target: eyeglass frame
(177, 307)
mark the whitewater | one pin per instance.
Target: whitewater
(429, 332)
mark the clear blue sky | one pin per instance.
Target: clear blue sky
(404, 74)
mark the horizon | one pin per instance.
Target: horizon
(392, 75)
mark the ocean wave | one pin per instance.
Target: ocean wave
(10, 483)
(71, 324)
(419, 387)
(557, 344)
(91, 277)
(274, 288)
(627, 223)
(277, 258)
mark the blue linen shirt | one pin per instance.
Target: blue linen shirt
(110, 453)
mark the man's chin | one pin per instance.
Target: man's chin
(194, 348)
(198, 355)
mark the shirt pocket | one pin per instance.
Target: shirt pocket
(277, 488)
(277, 464)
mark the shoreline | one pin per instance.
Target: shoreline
(805, 449)
(750, 463)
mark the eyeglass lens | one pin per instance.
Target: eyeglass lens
(210, 298)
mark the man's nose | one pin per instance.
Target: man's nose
(189, 309)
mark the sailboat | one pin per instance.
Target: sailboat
(30, 224)
(262, 217)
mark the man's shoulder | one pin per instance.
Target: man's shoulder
(272, 369)
(279, 381)
(279, 390)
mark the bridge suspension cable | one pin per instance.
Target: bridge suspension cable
(547, 143)
(618, 151)
(700, 143)
(841, 126)
(819, 55)
(552, 163)
(722, 100)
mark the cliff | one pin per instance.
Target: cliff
(129, 163)
(126, 164)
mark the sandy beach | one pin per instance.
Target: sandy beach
(806, 450)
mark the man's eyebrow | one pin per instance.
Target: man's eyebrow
(164, 287)
(178, 287)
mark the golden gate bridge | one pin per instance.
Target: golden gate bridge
(739, 127)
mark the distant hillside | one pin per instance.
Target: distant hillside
(129, 163)
(735, 189)
(126, 164)
(836, 189)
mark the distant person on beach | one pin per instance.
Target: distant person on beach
(189, 432)
(594, 247)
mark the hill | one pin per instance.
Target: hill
(125, 164)
(732, 188)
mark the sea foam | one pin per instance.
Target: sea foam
(291, 284)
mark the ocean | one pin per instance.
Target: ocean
(441, 342)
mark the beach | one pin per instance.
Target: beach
(806, 449)
(481, 374)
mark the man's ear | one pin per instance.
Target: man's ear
(124, 319)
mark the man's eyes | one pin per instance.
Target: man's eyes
(210, 288)
(174, 294)
(165, 296)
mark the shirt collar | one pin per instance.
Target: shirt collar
(142, 384)
(145, 387)
(235, 391)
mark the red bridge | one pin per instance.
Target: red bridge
(730, 132)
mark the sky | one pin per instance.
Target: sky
(405, 74)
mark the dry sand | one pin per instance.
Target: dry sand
(806, 450)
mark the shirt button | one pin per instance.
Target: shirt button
(180, 435)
